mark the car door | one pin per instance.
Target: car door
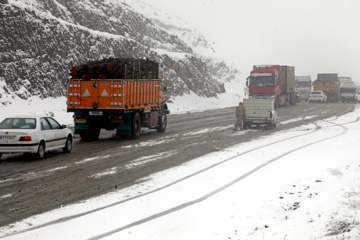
(47, 133)
(60, 135)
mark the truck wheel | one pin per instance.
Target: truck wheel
(91, 134)
(270, 126)
(277, 103)
(162, 123)
(136, 126)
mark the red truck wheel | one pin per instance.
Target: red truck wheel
(136, 126)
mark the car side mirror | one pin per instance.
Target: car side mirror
(63, 126)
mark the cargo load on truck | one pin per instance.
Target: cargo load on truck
(121, 94)
(259, 112)
(330, 84)
(273, 82)
(303, 87)
(347, 90)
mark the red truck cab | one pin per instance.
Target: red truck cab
(274, 82)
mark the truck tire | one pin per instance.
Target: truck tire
(91, 134)
(270, 126)
(295, 99)
(162, 123)
(136, 126)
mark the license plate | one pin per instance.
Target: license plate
(96, 113)
(80, 120)
(7, 138)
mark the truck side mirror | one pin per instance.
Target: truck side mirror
(164, 86)
(247, 81)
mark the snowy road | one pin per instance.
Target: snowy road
(190, 183)
(189, 186)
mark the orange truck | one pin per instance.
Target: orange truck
(117, 94)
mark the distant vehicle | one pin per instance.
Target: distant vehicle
(259, 112)
(329, 84)
(273, 82)
(347, 90)
(318, 96)
(34, 134)
(303, 87)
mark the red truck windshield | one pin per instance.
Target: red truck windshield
(262, 81)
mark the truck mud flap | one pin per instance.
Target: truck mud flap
(123, 133)
(80, 127)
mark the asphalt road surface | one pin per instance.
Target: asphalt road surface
(29, 187)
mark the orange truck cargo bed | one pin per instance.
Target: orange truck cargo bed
(113, 94)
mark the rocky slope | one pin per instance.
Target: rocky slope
(40, 39)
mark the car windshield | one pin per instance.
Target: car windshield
(316, 93)
(18, 123)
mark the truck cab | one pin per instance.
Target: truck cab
(273, 82)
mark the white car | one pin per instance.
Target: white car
(317, 96)
(33, 134)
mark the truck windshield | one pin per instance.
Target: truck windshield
(262, 81)
(303, 84)
(348, 90)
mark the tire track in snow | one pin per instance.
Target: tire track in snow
(220, 189)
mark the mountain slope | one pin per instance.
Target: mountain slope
(40, 39)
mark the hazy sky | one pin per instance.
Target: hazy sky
(315, 36)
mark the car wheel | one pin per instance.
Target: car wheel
(68, 145)
(41, 151)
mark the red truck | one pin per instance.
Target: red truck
(274, 82)
(117, 94)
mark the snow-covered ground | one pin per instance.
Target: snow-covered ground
(302, 183)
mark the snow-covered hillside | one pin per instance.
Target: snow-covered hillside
(40, 39)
